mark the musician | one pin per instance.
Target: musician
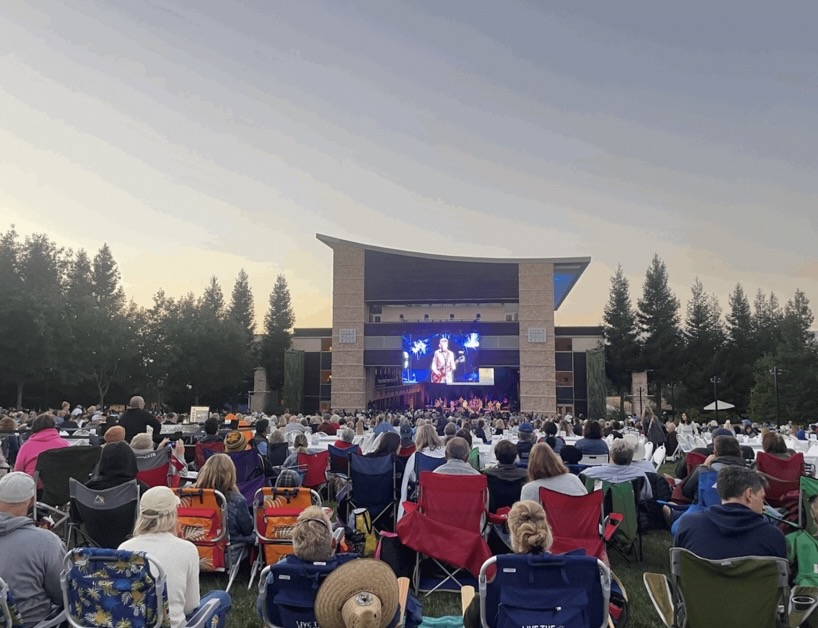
(443, 364)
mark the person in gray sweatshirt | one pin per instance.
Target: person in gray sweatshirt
(31, 557)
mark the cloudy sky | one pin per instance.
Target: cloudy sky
(198, 138)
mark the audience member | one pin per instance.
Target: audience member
(620, 469)
(726, 452)
(30, 557)
(44, 437)
(457, 459)
(592, 442)
(506, 453)
(736, 527)
(546, 470)
(525, 441)
(136, 420)
(212, 441)
(259, 440)
(219, 473)
(155, 533)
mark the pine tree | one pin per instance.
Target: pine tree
(704, 337)
(621, 335)
(213, 297)
(739, 356)
(277, 335)
(105, 277)
(241, 306)
(658, 317)
(767, 318)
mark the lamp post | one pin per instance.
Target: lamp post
(641, 407)
(775, 372)
(715, 380)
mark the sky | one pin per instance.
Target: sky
(200, 138)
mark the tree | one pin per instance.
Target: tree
(739, 355)
(767, 318)
(213, 298)
(704, 336)
(277, 335)
(621, 335)
(241, 306)
(658, 317)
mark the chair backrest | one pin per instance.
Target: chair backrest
(594, 460)
(808, 489)
(275, 511)
(250, 474)
(9, 615)
(427, 463)
(648, 450)
(339, 459)
(108, 515)
(573, 516)
(503, 492)
(202, 514)
(693, 460)
(277, 453)
(744, 591)
(138, 598)
(783, 474)
(156, 469)
(288, 588)
(456, 500)
(659, 456)
(56, 467)
(373, 480)
(544, 590)
(623, 498)
(316, 465)
(707, 493)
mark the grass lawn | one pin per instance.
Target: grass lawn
(642, 615)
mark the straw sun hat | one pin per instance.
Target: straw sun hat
(362, 593)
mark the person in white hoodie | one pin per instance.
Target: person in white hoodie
(30, 557)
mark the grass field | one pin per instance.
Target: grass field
(642, 615)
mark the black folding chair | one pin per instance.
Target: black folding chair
(103, 518)
(373, 487)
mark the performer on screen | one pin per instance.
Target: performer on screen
(444, 364)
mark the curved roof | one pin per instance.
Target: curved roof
(500, 279)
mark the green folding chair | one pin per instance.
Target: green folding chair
(623, 498)
(729, 593)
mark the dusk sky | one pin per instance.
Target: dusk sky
(197, 138)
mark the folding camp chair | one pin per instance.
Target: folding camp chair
(659, 456)
(576, 522)
(276, 455)
(503, 493)
(250, 475)
(202, 517)
(338, 470)
(316, 466)
(55, 468)
(783, 474)
(373, 487)
(423, 463)
(729, 593)
(275, 511)
(104, 587)
(159, 468)
(648, 451)
(623, 498)
(593, 460)
(103, 518)
(446, 525)
(287, 590)
(544, 590)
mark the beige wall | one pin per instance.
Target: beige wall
(348, 312)
(538, 386)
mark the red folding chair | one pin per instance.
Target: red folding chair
(576, 521)
(692, 460)
(783, 474)
(447, 525)
(316, 466)
(159, 468)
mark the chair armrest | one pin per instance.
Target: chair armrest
(610, 524)
(55, 618)
(409, 506)
(403, 594)
(199, 618)
(495, 518)
(466, 596)
(658, 587)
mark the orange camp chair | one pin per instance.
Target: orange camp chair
(203, 521)
(275, 511)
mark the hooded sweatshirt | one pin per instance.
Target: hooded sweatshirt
(35, 445)
(728, 531)
(31, 563)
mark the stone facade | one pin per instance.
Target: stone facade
(348, 312)
(261, 399)
(538, 382)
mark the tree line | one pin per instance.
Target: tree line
(748, 351)
(67, 331)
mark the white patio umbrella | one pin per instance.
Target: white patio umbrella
(723, 405)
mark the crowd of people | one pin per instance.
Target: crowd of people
(537, 451)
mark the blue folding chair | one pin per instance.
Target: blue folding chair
(287, 590)
(571, 591)
(373, 488)
(423, 463)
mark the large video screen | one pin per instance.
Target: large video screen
(441, 358)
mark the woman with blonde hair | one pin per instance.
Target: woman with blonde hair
(546, 470)
(155, 533)
(428, 443)
(530, 534)
(300, 446)
(219, 473)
